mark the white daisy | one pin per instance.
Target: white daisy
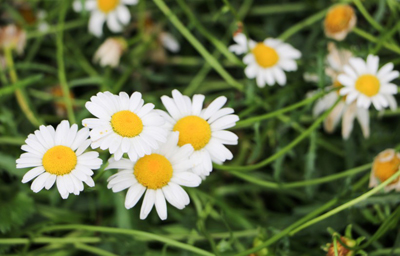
(336, 60)
(124, 125)
(266, 60)
(364, 83)
(202, 128)
(160, 175)
(57, 157)
(113, 11)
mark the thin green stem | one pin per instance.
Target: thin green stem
(22, 98)
(284, 150)
(136, 233)
(61, 67)
(197, 45)
(373, 39)
(302, 24)
(70, 25)
(348, 204)
(12, 140)
(367, 16)
(50, 240)
(94, 250)
(297, 184)
(217, 42)
(287, 230)
(250, 121)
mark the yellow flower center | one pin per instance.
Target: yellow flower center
(107, 5)
(338, 18)
(193, 130)
(265, 56)
(368, 85)
(153, 171)
(385, 170)
(59, 160)
(126, 123)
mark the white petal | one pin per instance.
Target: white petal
(133, 195)
(50, 181)
(123, 14)
(39, 183)
(32, 174)
(216, 105)
(148, 203)
(161, 205)
(96, 23)
(112, 22)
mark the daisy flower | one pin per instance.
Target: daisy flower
(385, 165)
(364, 83)
(339, 21)
(58, 157)
(159, 176)
(110, 52)
(204, 129)
(266, 60)
(124, 125)
(114, 12)
(336, 60)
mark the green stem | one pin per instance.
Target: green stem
(283, 151)
(50, 240)
(302, 24)
(373, 39)
(348, 204)
(274, 185)
(215, 41)
(131, 232)
(94, 250)
(22, 99)
(12, 141)
(367, 16)
(250, 121)
(61, 68)
(70, 25)
(196, 44)
(287, 230)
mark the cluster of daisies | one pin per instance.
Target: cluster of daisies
(360, 83)
(155, 152)
(116, 15)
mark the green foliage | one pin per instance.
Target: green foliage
(289, 180)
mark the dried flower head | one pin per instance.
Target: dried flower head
(341, 250)
(110, 52)
(12, 37)
(339, 21)
(385, 165)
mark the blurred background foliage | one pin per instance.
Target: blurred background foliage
(228, 214)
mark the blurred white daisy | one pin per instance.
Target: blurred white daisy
(110, 52)
(58, 157)
(159, 176)
(364, 83)
(384, 166)
(124, 124)
(266, 61)
(169, 42)
(202, 128)
(114, 12)
(336, 60)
